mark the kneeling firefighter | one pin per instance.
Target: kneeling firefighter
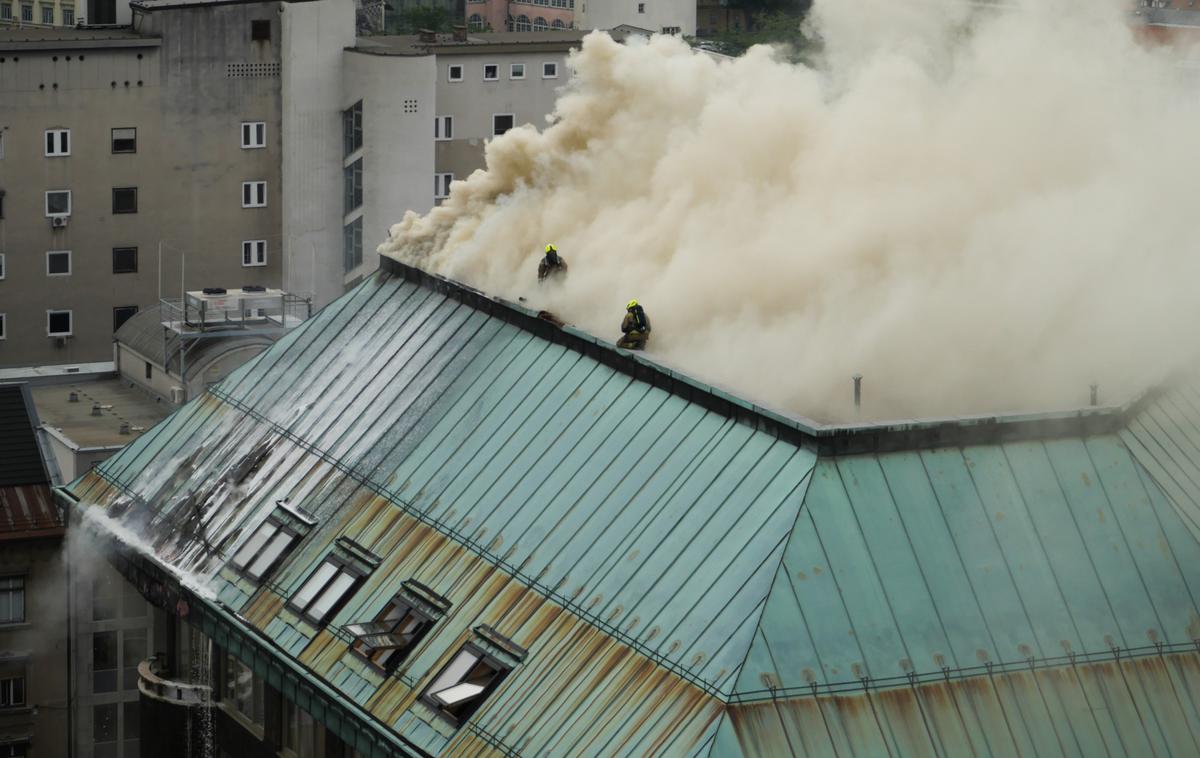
(635, 326)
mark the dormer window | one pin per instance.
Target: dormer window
(271, 542)
(397, 630)
(333, 582)
(472, 675)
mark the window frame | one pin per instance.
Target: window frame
(27, 13)
(261, 194)
(115, 250)
(47, 14)
(68, 17)
(258, 253)
(119, 212)
(254, 135)
(352, 186)
(8, 699)
(3, 336)
(443, 128)
(70, 263)
(11, 590)
(495, 66)
(395, 654)
(116, 308)
(113, 140)
(512, 71)
(341, 566)
(502, 668)
(272, 526)
(50, 312)
(450, 77)
(549, 63)
(64, 214)
(440, 181)
(53, 145)
(512, 126)
(352, 129)
(6, 13)
(352, 244)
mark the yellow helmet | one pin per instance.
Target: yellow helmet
(551, 249)
(632, 305)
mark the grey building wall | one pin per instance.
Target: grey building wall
(187, 99)
(473, 102)
(39, 644)
(398, 97)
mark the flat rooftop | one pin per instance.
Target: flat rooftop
(69, 38)
(118, 402)
(446, 44)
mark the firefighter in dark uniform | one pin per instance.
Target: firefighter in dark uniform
(635, 326)
(552, 265)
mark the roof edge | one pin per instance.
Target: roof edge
(825, 439)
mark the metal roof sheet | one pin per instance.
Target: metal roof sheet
(20, 457)
(667, 554)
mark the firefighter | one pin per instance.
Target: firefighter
(636, 327)
(551, 265)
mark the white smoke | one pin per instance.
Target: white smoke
(979, 211)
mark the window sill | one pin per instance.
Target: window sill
(15, 710)
(12, 625)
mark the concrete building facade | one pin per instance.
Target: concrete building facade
(662, 16)
(118, 144)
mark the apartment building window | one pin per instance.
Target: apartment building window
(254, 134)
(443, 128)
(242, 691)
(299, 731)
(58, 323)
(441, 186)
(5, 11)
(352, 127)
(121, 314)
(58, 203)
(104, 729)
(549, 70)
(254, 253)
(68, 15)
(12, 599)
(125, 260)
(476, 23)
(131, 713)
(12, 683)
(521, 24)
(104, 662)
(3, 327)
(501, 123)
(465, 683)
(58, 263)
(124, 200)
(27, 13)
(326, 590)
(1, 266)
(491, 72)
(260, 30)
(48, 14)
(454, 73)
(124, 140)
(58, 142)
(557, 24)
(540, 25)
(516, 71)
(352, 176)
(675, 30)
(254, 194)
(641, 7)
(352, 256)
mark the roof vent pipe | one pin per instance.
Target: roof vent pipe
(1095, 394)
(96, 409)
(124, 427)
(857, 391)
(73, 397)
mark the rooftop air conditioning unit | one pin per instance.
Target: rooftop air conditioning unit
(58, 222)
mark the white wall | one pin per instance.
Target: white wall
(315, 35)
(397, 150)
(606, 14)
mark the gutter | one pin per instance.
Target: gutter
(355, 726)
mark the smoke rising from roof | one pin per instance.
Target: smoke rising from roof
(979, 211)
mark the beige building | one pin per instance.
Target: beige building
(116, 145)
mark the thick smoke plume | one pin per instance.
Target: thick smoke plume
(978, 210)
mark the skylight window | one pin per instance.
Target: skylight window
(266, 549)
(387, 640)
(472, 675)
(465, 683)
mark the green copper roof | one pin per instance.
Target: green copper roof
(690, 574)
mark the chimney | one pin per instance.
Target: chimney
(460, 34)
(73, 397)
(427, 35)
(1095, 388)
(857, 391)
(124, 427)
(96, 409)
